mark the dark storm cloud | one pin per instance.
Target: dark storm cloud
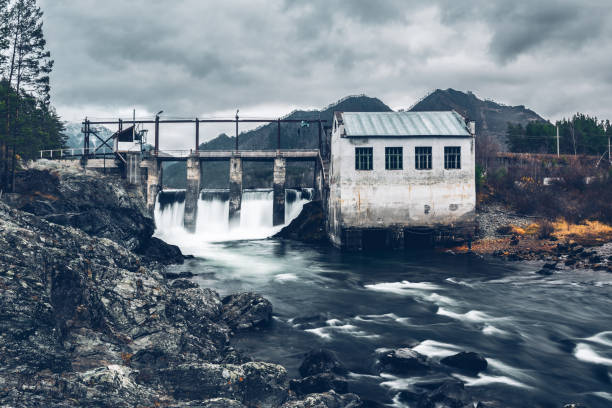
(193, 57)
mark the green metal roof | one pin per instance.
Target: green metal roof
(447, 123)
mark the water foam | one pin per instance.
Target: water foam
(603, 394)
(483, 380)
(491, 330)
(386, 316)
(584, 352)
(471, 316)
(336, 325)
(604, 338)
(401, 288)
(432, 348)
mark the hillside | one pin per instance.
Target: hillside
(491, 117)
(265, 137)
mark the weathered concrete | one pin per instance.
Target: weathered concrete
(132, 169)
(192, 193)
(318, 181)
(154, 180)
(235, 190)
(404, 198)
(278, 184)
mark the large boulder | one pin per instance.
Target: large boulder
(402, 361)
(157, 250)
(308, 226)
(466, 361)
(321, 361)
(254, 384)
(246, 310)
(318, 383)
(450, 393)
(325, 400)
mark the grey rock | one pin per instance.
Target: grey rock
(402, 361)
(320, 361)
(246, 310)
(318, 383)
(468, 362)
(251, 383)
(325, 400)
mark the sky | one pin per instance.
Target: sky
(208, 58)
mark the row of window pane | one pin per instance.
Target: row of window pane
(394, 157)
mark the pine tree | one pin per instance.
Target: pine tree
(27, 72)
(4, 34)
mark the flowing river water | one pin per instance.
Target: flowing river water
(547, 339)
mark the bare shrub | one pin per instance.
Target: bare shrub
(546, 229)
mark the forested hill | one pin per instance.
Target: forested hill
(265, 137)
(491, 117)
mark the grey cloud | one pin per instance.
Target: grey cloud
(192, 57)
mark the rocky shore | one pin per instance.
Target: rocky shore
(506, 234)
(89, 317)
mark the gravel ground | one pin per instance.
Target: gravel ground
(492, 216)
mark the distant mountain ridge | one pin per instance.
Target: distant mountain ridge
(491, 118)
(265, 137)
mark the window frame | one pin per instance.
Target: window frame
(426, 156)
(394, 157)
(455, 155)
(369, 156)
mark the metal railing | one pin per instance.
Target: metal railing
(71, 152)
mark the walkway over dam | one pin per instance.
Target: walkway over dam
(145, 167)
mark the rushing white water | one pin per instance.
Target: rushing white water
(212, 223)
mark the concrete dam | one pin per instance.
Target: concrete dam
(382, 177)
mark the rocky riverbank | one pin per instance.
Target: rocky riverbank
(89, 318)
(506, 234)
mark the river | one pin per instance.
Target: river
(547, 339)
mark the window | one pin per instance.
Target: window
(363, 158)
(422, 158)
(394, 158)
(452, 157)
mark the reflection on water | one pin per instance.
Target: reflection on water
(547, 340)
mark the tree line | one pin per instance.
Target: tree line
(580, 134)
(28, 122)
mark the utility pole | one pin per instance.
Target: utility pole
(237, 110)
(557, 140)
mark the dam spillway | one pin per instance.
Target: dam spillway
(212, 221)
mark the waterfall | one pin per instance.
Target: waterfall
(212, 223)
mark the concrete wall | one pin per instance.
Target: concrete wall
(381, 198)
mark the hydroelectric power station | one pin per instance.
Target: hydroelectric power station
(381, 177)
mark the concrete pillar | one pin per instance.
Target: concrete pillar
(192, 193)
(235, 191)
(278, 206)
(154, 181)
(133, 168)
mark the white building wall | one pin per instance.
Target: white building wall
(380, 198)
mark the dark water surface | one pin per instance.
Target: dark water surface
(547, 340)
